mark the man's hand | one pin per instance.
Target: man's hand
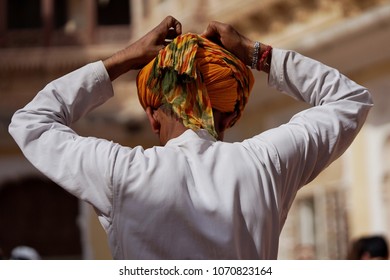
(143, 50)
(149, 45)
(225, 35)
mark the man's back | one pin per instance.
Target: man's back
(194, 198)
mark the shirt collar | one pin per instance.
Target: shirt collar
(189, 135)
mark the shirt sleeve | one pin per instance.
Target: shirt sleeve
(315, 137)
(81, 165)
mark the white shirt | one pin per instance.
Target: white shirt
(194, 198)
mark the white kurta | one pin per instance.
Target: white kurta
(194, 198)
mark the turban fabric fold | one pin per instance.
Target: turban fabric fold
(193, 76)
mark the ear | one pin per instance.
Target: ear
(227, 120)
(153, 120)
(223, 121)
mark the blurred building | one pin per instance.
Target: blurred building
(43, 39)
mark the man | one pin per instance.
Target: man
(195, 197)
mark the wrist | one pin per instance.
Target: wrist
(256, 48)
(261, 56)
(265, 57)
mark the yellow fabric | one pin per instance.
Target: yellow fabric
(194, 75)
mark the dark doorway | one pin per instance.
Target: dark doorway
(113, 12)
(38, 213)
(24, 14)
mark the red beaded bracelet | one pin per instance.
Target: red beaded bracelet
(262, 61)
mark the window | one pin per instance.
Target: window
(36, 212)
(113, 12)
(60, 13)
(24, 14)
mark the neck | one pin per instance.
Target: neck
(170, 129)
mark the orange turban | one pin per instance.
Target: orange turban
(193, 76)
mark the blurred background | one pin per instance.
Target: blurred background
(41, 40)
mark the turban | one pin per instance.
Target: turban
(193, 76)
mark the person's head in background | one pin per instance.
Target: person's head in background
(369, 248)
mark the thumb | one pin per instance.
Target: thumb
(211, 31)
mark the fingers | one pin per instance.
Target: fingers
(222, 34)
(212, 30)
(228, 37)
(171, 33)
(166, 31)
(172, 26)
